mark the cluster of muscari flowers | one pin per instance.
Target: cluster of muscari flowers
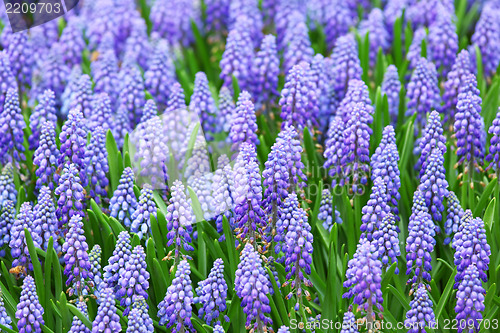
(470, 300)
(96, 162)
(203, 104)
(212, 293)
(11, 130)
(140, 315)
(345, 64)
(71, 195)
(433, 184)
(4, 317)
(105, 75)
(7, 218)
(286, 213)
(443, 42)
(146, 208)
(123, 203)
(116, 263)
(420, 316)
(46, 156)
(374, 27)
(7, 187)
(45, 218)
(95, 269)
(106, 320)
(391, 87)
(432, 138)
(244, 122)
(77, 326)
(101, 113)
(459, 71)
(326, 211)
(486, 38)
(18, 245)
(44, 111)
(386, 241)
(375, 210)
(29, 312)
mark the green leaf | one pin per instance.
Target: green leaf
(445, 295)
(115, 163)
(485, 197)
(80, 316)
(488, 215)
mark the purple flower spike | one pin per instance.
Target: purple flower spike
(391, 87)
(333, 147)
(227, 109)
(7, 187)
(235, 62)
(18, 247)
(244, 122)
(415, 50)
(150, 110)
(203, 104)
(286, 213)
(443, 42)
(160, 75)
(455, 214)
(349, 324)
(218, 329)
(123, 203)
(471, 247)
(299, 103)
(29, 311)
(460, 70)
(95, 273)
(4, 317)
(7, 77)
(386, 241)
(357, 92)
(46, 156)
(134, 280)
(132, 95)
(326, 210)
(106, 319)
(432, 137)
(423, 93)
(44, 111)
(249, 215)
(11, 130)
(486, 37)
(175, 309)
(71, 195)
(375, 209)
(338, 19)
(146, 207)
(494, 150)
(325, 93)
(217, 15)
(81, 97)
(75, 256)
(105, 74)
(77, 326)
(45, 218)
(102, 113)
(73, 141)
(179, 219)
(141, 308)
(265, 72)
(252, 286)
(469, 124)
(137, 46)
(212, 294)
(374, 26)
(299, 46)
(72, 42)
(116, 263)
(96, 162)
(420, 314)
(247, 10)
(419, 246)
(346, 64)
(7, 219)
(120, 125)
(363, 278)
(20, 52)
(470, 300)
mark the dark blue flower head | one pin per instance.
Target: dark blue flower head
(226, 110)
(146, 207)
(326, 210)
(72, 42)
(346, 64)
(106, 319)
(235, 62)
(11, 130)
(102, 112)
(420, 314)
(80, 97)
(386, 241)
(7, 187)
(216, 16)
(443, 42)
(73, 141)
(419, 246)
(131, 94)
(461, 68)
(175, 309)
(333, 147)
(29, 312)
(105, 75)
(363, 278)
(299, 47)
(265, 72)
(123, 203)
(286, 213)
(338, 19)
(455, 214)
(45, 217)
(160, 76)
(374, 26)
(45, 157)
(244, 122)
(469, 124)
(44, 111)
(203, 104)
(116, 263)
(212, 294)
(18, 247)
(415, 50)
(391, 87)
(486, 37)
(299, 103)
(375, 209)
(7, 219)
(357, 92)
(20, 53)
(470, 300)
(96, 162)
(349, 324)
(423, 93)
(432, 137)
(75, 256)
(4, 317)
(71, 195)
(252, 286)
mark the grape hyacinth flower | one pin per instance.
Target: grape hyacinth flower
(378, 36)
(486, 38)
(95, 268)
(288, 211)
(46, 156)
(432, 138)
(216, 16)
(433, 184)
(415, 50)
(4, 317)
(443, 42)
(160, 76)
(71, 195)
(391, 87)
(7, 187)
(327, 101)
(71, 84)
(105, 74)
(227, 109)
(326, 210)
(179, 219)
(134, 280)
(299, 46)
(420, 314)
(135, 322)
(249, 215)
(149, 111)
(470, 300)
(494, 149)
(212, 294)
(337, 21)
(7, 77)
(18, 247)
(349, 324)
(106, 319)
(101, 113)
(265, 71)
(73, 141)
(244, 122)
(235, 62)
(120, 125)
(81, 97)
(298, 256)
(346, 64)
(77, 326)
(469, 125)
(333, 147)
(240, 10)
(11, 130)
(123, 203)
(137, 46)
(72, 42)
(141, 308)
(252, 286)
(116, 263)
(423, 93)
(357, 92)
(386, 241)
(203, 104)
(96, 162)
(175, 309)
(471, 247)
(363, 278)
(75, 256)
(29, 310)
(44, 111)
(375, 209)
(223, 189)
(299, 103)
(7, 219)
(460, 70)
(20, 53)
(45, 218)
(219, 329)
(132, 95)
(419, 246)
(146, 207)
(455, 214)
